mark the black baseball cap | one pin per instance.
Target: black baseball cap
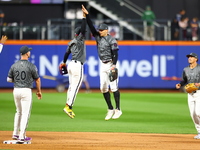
(192, 55)
(25, 49)
(103, 27)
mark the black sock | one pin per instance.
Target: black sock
(108, 100)
(70, 107)
(117, 99)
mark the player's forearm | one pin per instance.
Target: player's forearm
(92, 28)
(83, 26)
(66, 56)
(183, 80)
(38, 85)
(182, 83)
(115, 57)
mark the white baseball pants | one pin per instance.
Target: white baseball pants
(104, 78)
(194, 108)
(23, 103)
(75, 71)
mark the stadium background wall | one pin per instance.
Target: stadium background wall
(141, 64)
(164, 9)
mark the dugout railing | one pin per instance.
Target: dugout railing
(63, 29)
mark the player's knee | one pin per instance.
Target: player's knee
(104, 90)
(114, 89)
(19, 113)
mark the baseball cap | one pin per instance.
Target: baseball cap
(192, 55)
(77, 30)
(24, 50)
(103, 27)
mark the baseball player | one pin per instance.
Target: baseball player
(3, 40)
(23, 73)
(108, 54)
(76, 47)
(191, 75)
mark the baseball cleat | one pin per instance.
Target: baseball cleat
(15, 137)
(109, 114)
(21, 141)
(197, 136)
(117, 114)
(69, 112)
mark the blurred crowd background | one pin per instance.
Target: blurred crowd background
(152, 20)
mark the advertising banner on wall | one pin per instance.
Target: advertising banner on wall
(139, 66)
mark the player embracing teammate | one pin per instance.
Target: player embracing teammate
(108, 53)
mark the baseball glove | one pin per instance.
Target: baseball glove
(113, 74)
(191, 87)
(63, 69)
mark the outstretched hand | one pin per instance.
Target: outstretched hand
(3, 39)
(84, 10)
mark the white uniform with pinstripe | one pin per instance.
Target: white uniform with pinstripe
(76, 48)
(75, 71)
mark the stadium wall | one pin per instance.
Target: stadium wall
(141, 64)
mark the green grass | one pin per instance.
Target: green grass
(142, 113)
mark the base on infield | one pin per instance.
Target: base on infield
(15, 142)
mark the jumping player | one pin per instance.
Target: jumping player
(75, 67)
(23, 73)
(108, 54)
(3, 40)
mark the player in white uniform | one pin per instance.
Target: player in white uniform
(23, 73)
(76, 47)
(3, 40)
(108, 54)
(191, 74)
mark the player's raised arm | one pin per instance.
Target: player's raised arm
(83, 24)
(89, 22)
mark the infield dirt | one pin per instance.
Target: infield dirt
(102, 141)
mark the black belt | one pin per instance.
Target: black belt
(105, 62)
(77, 61)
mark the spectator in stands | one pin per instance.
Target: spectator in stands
(181, 14)
(149, 17)
(174, 29)
(194, 27)
(175, 34)
(183, 24)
